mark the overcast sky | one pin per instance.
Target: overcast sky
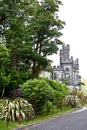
(74, 13)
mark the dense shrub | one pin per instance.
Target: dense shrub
(47, 107)
(60, 90)
(40, 91)
(37, 91)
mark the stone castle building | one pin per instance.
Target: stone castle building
(68, 68)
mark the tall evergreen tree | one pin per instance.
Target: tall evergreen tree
(45, 27)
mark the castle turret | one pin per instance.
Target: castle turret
(64, 53)
(77, 64)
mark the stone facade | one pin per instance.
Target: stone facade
(68, 68)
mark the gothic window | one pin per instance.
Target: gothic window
(67, 69)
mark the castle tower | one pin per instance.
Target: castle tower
(68, 68)
(64, 53)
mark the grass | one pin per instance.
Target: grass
(13, 125)
(3, 125)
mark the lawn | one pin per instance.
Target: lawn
(3, 125)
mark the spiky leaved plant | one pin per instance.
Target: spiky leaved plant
(18, 109)
(73, 101)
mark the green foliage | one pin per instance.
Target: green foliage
(5, 80)
(16, 110)
(60, 90)
(40, 91)
(49, 106)
(14, 79)
(80, 85)
(9, 82)
(37, 91)
(64, 81)
(3, 54)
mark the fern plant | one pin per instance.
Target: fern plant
(18, 109)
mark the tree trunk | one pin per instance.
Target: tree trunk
(35, 70)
